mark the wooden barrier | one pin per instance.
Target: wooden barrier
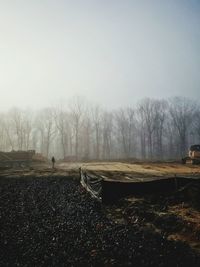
(92, 184)
(113, 191)
(109, 191)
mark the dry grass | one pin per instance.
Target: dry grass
(191, 233)
(144, 169)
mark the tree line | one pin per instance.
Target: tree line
(154, 129)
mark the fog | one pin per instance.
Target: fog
(111, 52)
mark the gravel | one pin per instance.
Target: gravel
(54, 222)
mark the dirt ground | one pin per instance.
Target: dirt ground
(147, 169)
(135, 171)
(168, 223)
(177, 209)
(119, 170)
(48, 219)
(174, 215)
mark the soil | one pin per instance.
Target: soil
(174, 215)
(139, 171)
(48, 219)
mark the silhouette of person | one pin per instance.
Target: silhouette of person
(53, 162)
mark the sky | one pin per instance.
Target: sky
(111, 52)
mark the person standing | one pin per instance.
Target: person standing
(53, 162)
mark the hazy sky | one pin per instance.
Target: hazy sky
(113, 52)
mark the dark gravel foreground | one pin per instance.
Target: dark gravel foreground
(53, 222)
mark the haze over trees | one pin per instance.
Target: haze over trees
(154, 129)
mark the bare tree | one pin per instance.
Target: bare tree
(195, 131)
(46, 127)
(27, 128)
(86, 137)
(16, 120)
(6, 142)
(77, 109)
(21, 126)
(160, 118)
(147, 114)
(125, 122)
(62, 123)
(107, 129)
(182, 111)
(161, 129)
(97, 114)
